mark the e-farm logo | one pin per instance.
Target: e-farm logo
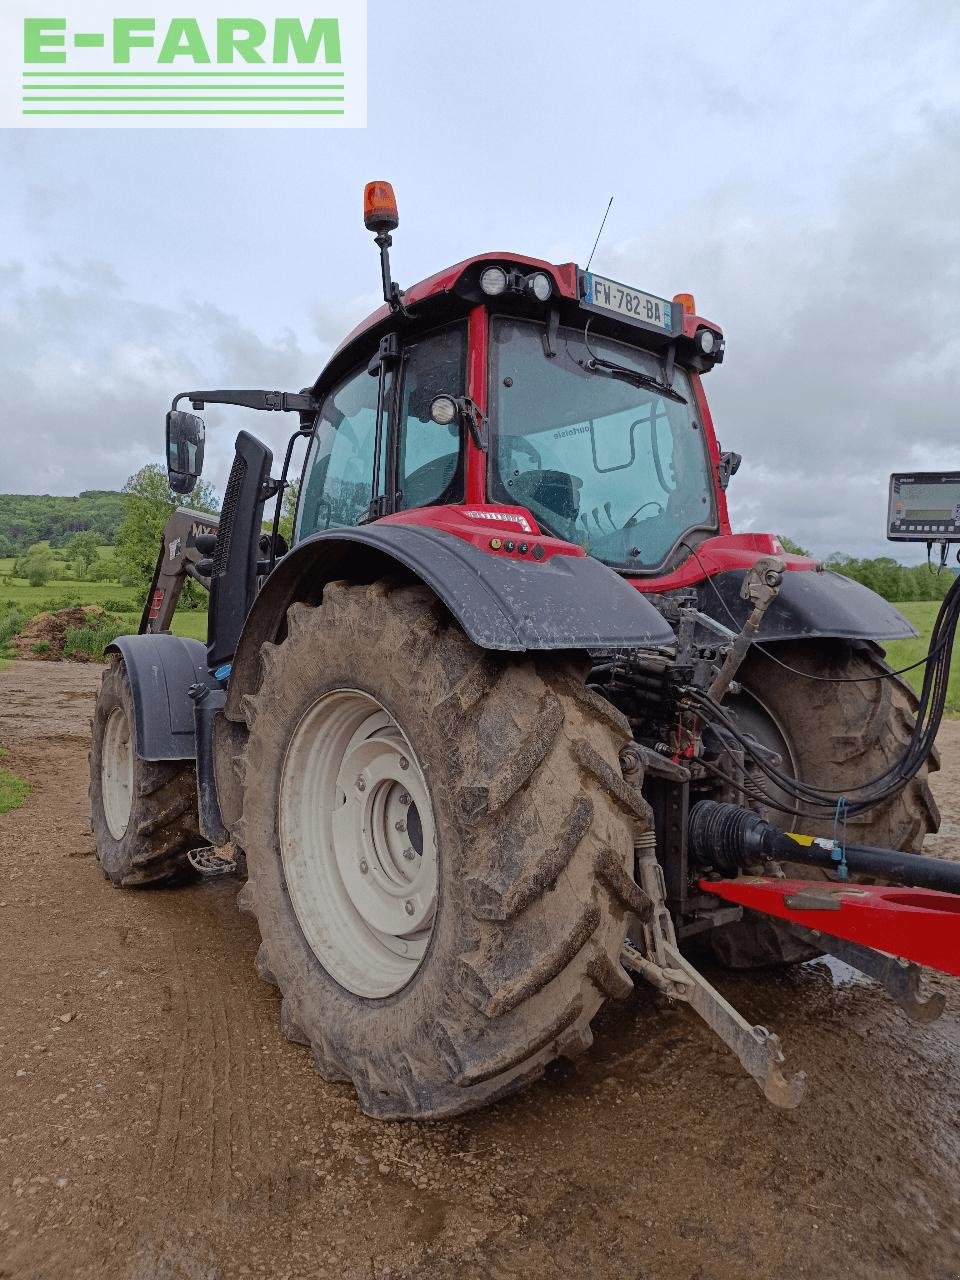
(101, 65)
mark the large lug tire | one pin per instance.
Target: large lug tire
(519, 784)
(144, 812)
(839, 736)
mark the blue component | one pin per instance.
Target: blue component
(839, 852)
(223, 672)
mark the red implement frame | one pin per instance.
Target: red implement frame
(921, 925)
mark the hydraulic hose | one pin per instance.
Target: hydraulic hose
(731, 839)
(866, 795)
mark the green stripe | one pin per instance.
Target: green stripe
(89, 41)
(135, 111)
(233, 97)
(183, 73)
(174, 88)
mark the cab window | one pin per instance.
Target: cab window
(339, 468)
(428, 456)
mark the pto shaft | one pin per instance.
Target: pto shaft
(731, 839)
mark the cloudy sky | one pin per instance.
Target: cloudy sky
(796, 167)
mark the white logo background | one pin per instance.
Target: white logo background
(87, 92)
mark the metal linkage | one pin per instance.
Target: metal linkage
(761, 586)
(661, 964)
(757, 1049)
(899, 978)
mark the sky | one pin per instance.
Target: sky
(797, 168)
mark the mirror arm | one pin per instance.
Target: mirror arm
(278, 401)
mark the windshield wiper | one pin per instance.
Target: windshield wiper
(599, 364)
(626, 374)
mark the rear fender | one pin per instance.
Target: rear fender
(161, 669)
(565, 602)
(811, 605)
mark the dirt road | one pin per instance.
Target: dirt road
(154, 1124)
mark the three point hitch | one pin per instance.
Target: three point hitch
(885, 931)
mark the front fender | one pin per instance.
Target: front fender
(161, 668)
(811, 605)
(564, 602)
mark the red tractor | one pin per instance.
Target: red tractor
(457, 730)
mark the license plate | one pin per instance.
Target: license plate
(644, 308)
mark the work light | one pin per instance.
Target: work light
(493, 281)
(540, 285)
(443, 410)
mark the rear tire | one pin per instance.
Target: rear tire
(840, 736)
(534, 846)
(143, 812)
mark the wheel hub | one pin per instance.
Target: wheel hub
(358, 843)
(116, 773)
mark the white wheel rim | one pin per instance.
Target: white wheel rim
(116, 773)
(358, 843)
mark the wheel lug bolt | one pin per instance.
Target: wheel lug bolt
(364, 867)
(408, 908)
(361, 785)
(409, 855)
(404, 762)
(404, 798)
(400, 826)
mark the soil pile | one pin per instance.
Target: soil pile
(44, 637)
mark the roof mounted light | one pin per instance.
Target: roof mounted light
(540, 285)
(686, 303)
(380, 207)
(493, 281)
(707, 341)
(380, 216)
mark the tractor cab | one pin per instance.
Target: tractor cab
(525, 388)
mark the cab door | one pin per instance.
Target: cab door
(344, 475)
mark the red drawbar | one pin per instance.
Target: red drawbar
(922, 925)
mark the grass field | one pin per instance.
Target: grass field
(13, 790)
(64, 591)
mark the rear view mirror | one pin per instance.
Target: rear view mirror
(185, 432)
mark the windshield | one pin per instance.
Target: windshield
(617, 467)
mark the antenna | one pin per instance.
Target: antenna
(599, 234)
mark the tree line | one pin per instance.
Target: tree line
(44, 532)
(29, 518)
(885, 576)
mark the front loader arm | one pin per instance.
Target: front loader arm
(181, 556)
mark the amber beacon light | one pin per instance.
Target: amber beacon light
(380, 207)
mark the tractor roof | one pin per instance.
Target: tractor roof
(443, 282)
(448, 294)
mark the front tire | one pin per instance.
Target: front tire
(143, 812)
(839, 736)
(531, 881)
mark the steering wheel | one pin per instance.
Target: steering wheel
(652, 503)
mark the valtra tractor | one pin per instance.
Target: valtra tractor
(516, 715)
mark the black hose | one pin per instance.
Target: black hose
(867, 795)
(731, 839)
